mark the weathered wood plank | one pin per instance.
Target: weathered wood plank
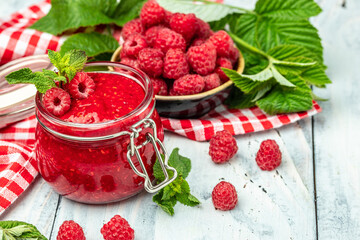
(272, 205)
(336, 130)
(36, 206)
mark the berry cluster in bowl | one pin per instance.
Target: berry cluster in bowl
(179, 52)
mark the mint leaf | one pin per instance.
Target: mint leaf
(180, 163)
(167, 205)
(203, 11)
(19, 231)
(287, 9)
(92, 43)
(167, 197)
(72, 14)
(187, 199)
(68, 63)
(285, 100)
(25, 75)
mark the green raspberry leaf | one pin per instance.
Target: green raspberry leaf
(315, 76)
(287, 9)
(19, 231)
(93, 44)
(251, 84)
(71, 14)
(239, 100)
(127, 10)
(285, 100)
(25, 75)
(203, 11)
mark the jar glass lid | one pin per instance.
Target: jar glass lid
(18, 101)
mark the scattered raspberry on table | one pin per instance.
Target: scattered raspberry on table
(269, 155)
(223, 147)
(117, 229)
(70, 230)
(224, 196)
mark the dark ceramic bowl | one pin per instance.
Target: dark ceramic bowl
(191, 106)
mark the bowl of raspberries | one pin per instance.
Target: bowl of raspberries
(183, 57)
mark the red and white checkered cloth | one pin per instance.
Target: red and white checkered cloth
(18, 168)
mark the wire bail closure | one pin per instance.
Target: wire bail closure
(154, 141)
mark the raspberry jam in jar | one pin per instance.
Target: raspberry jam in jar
(104, 148)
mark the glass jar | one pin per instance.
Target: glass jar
(108, 161)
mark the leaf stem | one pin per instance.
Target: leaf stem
(248, 46)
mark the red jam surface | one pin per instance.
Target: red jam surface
(98, 171)
(113, 98)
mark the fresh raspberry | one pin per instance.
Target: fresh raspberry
(57, 101)
(130, 62)
(211, 81)
(222, 147)
(133, 45)
(222, 42)
(151, 61)
(234, 55)
(151, 35)
(132, 27)
(70, 230)
(197, 42)
(203, 29)
(117, 229)
(160, 87)
(223, 63)
(172, 93)
(167, 18)
(152, 14)
(188, 84)
(168, 39)
(202, 59)
(185, 24)
(269, 155)
(81, 86)
(175, 64)
(224, 196)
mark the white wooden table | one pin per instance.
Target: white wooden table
(314, 194)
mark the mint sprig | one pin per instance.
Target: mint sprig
(179, 189)
(16, 230)
(68, 64)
